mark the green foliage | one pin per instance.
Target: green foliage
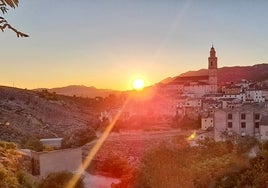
(8, 145)
(113, 166)
(25, 180)
(10, 179)
(244, 144)
(187, 123)
(48, 96)
(79, 138)
(60, 180)
(204, 166)
(33, 144)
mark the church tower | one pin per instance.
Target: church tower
(212, 70)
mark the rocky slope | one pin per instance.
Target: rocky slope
(25, 114)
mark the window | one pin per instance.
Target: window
(257, 116)
(230, 124)
(243, 116)
(243, 124)
(257, 124)
(230, 116)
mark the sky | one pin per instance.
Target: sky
(108, 43)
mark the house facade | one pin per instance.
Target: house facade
(243, 121)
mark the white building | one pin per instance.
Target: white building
(255, 95)
(240, 96)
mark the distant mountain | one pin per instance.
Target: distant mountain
(233, 74)
(81, 91)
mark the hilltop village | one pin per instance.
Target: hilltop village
(230, 108)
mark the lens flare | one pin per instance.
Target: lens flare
(192, 136)
(95, 149)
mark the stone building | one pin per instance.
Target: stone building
(242, 121)
(197, 85)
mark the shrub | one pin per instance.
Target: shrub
(59, 180)
(33, 144)
(8, 145)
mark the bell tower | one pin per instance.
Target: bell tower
(212, 70)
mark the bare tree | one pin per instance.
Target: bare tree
(4, 4)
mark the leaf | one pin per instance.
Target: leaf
(11, 3)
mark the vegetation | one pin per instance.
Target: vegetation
(211, 164)
(59, 180)
(14, 167)
(186, 123)
(4, 4)
(32, 143)
(79, 138)
(113, 166)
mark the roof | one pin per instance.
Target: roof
(51, 139)
(191, 78)
(213, 95)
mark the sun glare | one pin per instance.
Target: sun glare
(138, 84)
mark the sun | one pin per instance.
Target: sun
(138, 84)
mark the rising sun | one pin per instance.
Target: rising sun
(138, 84)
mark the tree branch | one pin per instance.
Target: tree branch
(3, 22)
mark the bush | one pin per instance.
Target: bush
(25, 180)
(33, 144)
(8, 145)
(60, 180)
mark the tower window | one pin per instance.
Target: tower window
(230, 116)
(211, 63)
(243, 116)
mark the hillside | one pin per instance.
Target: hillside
(25, 114)
(233, 74)
(81, 91)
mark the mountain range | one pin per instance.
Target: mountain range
(233, 74)
(81, 91)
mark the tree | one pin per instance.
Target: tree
(3, 22)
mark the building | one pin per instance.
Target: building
(212, 71)
(44, 163)
(51, 142)
(255, 95)
(207, 121)
(243, 121)
(264, 128)
(197, 86)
